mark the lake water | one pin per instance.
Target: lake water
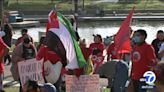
(104, 28)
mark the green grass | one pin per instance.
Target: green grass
(142, 5)
(12, 89)
(37, 5)
(44, 5)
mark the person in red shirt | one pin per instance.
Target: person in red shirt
(97, 60)
(48, 55)
(111, 52)
(143, 58)
(96, 52)
(3, 51)
(97, 44)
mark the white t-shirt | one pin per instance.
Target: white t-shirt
(160, 50)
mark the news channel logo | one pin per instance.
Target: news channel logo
(150, 77)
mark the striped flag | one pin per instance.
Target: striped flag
(61, 26)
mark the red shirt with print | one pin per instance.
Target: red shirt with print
(99, 46)
(97, 59)
(143, 56)
(97, 62)
(2, 49)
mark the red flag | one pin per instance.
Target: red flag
(122, 38)
(52, 21)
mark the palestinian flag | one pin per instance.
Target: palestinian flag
(61, 38)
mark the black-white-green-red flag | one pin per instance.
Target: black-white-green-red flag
(62, 28)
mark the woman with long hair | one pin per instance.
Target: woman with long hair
(7, 38)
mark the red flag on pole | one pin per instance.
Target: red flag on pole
(52, 21)
(122, 38)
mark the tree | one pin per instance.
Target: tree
(76, 6)
(1, 11)
(52, 1)
(128, 1)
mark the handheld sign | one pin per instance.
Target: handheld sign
(30, 70)
(85, 83)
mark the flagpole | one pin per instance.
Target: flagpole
(76, 13)
(55, 8)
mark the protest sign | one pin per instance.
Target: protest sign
(85, 83)
(30, 70)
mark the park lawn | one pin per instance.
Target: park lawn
(11, 89)
(37, 5)
(67, 5)
(141, 5)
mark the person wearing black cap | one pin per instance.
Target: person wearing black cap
(156, 43)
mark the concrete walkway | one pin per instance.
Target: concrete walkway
(8, 79)
(116, 17)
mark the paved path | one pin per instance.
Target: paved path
(8, 79)
(111, 17)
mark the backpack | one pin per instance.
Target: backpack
(117, 74)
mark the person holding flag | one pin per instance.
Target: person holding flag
(121, 47)
(60, 41)
(65, 44)
(122, 50)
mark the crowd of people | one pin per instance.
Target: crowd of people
(144, 57)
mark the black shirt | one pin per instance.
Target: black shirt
(28, 52)
(156, 43)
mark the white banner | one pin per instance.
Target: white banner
(85, 83)
(31, 70)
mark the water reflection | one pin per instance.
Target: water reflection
(105, 28)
